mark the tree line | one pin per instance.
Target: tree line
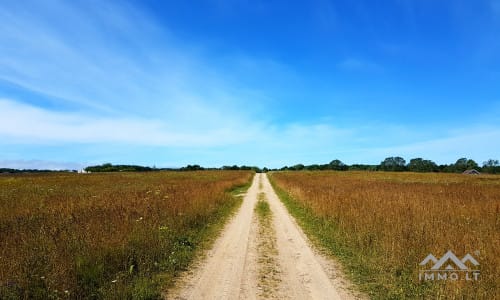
(394, 164)
(14, 171)
(107, 167)
(399, 164)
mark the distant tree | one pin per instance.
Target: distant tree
(256, 169)
(491, 163)
(422, 165)
(313, 167)
(13, 171)
(361, 167)
(192, 168)
(247, 168)
(393, 164)
(471, 164)
(233, 168)
(337, 165)
(324, 167)
(298, 167)
(9, 170)
(107, 167)
(446, 168)
(491, 166)
(463, 164)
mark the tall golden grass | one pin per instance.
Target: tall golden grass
(105, 235)
(382, 225)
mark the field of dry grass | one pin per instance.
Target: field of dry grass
(382, 225)
(114, 235)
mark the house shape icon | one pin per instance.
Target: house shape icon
(449, 261)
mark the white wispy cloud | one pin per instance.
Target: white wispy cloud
(27, 124)
(126, 79)
(109, 58)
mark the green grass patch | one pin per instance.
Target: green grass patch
(262, 207)
(238, 190)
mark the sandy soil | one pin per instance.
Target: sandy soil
(231, 268)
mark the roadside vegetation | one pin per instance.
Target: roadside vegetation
(381, 225)
(108, 235)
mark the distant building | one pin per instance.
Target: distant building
(471, 172)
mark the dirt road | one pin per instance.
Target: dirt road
(233, 268)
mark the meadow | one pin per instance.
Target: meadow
(107, 235)
(381, 225)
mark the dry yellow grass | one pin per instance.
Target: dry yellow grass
(382, 225)
(105, 235)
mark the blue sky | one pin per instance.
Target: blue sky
(267, 83)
